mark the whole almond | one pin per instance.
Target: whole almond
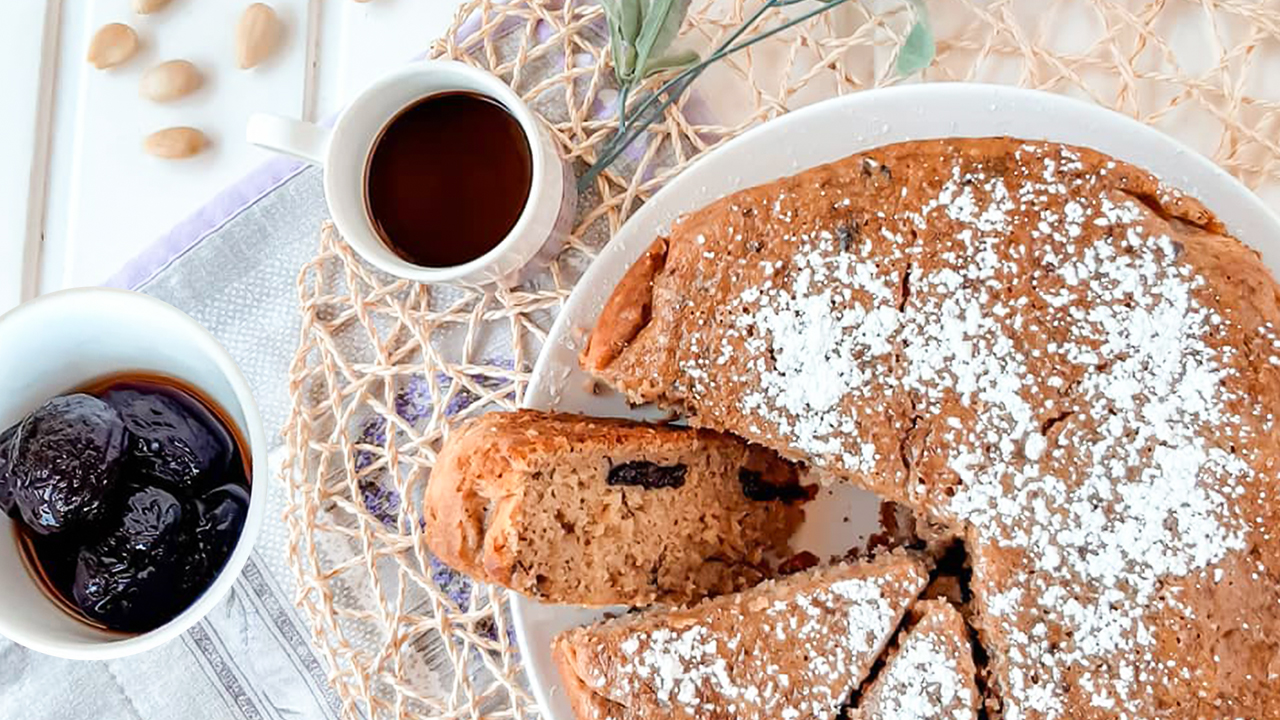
(170, 81)
(175, 143)
(146, 7)
(111, 45)
(257, 35)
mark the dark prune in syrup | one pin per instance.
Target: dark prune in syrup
(6, 486)
(214, 522)
(66, 458)
(167, 520)
(171, 443)
(126, 579)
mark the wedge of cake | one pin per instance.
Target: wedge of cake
(1067, 362)
(791, 648)
(930, 675)
(589, 511)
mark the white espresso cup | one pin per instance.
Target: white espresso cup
(345, 150)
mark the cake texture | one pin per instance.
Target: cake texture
(1071, 365)
(791, 648)
(929, 675)
(588, 511)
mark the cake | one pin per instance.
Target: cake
(929, 675)
(792, 648)
(1072, 366)
(588, 511)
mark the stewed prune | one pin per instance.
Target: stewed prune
(66, 458)
(126, 579)
(130, 498)
(169, 442)
(213, 527)
(6, 487)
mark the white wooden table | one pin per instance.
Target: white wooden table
(78, 197)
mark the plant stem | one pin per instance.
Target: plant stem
(695, 69)
(630, 129)
(623, 92)
(746, 24)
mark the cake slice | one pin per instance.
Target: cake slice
(589, 511)
(792, 648)
(930, 675)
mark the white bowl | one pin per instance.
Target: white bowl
(58, 342)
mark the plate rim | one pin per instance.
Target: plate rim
(1212, 178)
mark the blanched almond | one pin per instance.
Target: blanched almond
(175, 143)
(170, 81)
(257, 35)
(146, 7)
(111, 45)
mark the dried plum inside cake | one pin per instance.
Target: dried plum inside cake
(793, 648)
(591, 511)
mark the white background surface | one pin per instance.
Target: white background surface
(78, 197)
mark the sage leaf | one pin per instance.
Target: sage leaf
(655, 16)
(918, 49)
(623, 18)
(675, 61)
(642, 50)
(632, 14)
(670, 25)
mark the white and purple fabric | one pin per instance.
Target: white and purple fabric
(233, 267)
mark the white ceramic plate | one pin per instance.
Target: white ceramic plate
(802, 139)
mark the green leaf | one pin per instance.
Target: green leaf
(632, 16)
(623, 17)
(918, 49)
(640, 30)
(675, 61)
(670, 26)
(640, 115)
(655, 17)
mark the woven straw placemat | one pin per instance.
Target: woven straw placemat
(385, 367)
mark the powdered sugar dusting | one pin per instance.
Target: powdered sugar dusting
(923, 679)
(769, 653)
(819, 326)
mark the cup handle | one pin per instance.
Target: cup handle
(303, 140)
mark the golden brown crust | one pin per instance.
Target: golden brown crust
(454, 510)
(627, 311)
(586, 704)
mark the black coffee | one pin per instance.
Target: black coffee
(448, 179)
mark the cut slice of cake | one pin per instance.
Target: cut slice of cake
(930, 675)
(589, 511)
(793, 648)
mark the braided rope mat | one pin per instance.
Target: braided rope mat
(386, 366)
